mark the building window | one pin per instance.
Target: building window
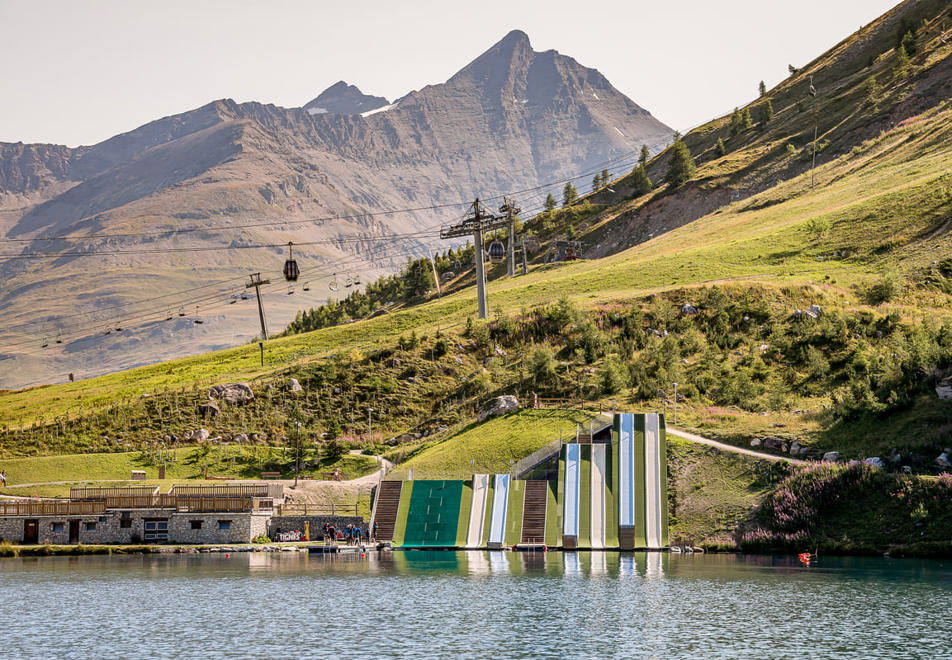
(156, 529)
(103, 519)
(125, 523)
(90, 527)
(59, 527)
(224, 524)
(196, 524)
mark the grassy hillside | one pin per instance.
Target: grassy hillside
(866, 238)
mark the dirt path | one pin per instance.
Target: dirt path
(737, 450)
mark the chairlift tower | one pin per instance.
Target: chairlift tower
(511, 210)
(475, 225)
(257, 283)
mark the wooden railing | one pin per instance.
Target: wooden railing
(156, 501)
(228, 490)
(223, 504)
(48, 508)
(104, 492)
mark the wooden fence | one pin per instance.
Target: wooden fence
(229, 490)
(105, 492)
(48, 508)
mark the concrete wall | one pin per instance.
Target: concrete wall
(243, 527)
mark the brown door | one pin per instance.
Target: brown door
(31, 531)
(74, 531)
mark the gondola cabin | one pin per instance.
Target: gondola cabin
(291, 270)
(497, 252)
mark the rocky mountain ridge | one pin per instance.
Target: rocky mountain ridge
(227, 176)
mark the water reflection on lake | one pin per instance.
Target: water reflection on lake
(474, 604)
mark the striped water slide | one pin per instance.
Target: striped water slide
(477, 513)
(497, 526)
(570, 521)
(653, 497)
(626, 471)
(598, 496)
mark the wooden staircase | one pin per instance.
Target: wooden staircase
(388, 501)
(533, 512)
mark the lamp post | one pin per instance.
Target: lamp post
(370, 424)
(297, 452)
(675, 403)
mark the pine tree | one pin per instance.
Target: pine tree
(762, 88)
(792, 69)
(747, 122)
(765, 112)
(643, 159)
(640, 181)
(606, 177)
(902, 60)
(720, 148)
(596, 182)
(737, 122)
(569, 194)
(680, 165)
(550, 203)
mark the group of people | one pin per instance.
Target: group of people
(3, 478)
(350, 535)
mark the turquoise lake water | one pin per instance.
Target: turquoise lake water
(474, 605)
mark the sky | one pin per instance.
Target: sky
(80, 71)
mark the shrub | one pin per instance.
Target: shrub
(542, 365)
(887, 288)
(263, 538)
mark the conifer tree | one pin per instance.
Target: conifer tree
(606, 177)
(569, 194)
(596, 182)
(765, 112)
(762, 88)
(720, 148)
(747, 122)
(640, 181)
(680, 165)
(550, 203)
(643, 158)
(737, 122)
(902, 60)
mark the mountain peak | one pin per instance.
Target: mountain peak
(344, 99)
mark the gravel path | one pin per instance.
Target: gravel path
(737, 450)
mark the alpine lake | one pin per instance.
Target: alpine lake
(473, 605)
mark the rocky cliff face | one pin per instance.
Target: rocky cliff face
(230, 175)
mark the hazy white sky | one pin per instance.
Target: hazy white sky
(79, 71)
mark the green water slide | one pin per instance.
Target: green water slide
(433, 516)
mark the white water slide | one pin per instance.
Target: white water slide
(653, 498)
(477, 513)
(598, 496)
(497, 524)
(572, 465)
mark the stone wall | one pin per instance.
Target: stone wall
(291, 523)
(108, 528)
(242, 527)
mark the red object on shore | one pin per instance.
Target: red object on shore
(804, 557)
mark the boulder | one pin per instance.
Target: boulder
(240, 438)
(876, 462)
(688, 309)
(942, 460)
(814, 311)
(232, 393)
(500, 406)
(498, 350)
(755, 442)
(294, 385)
(200, 435)
(209, 409)
(831, 456)
(944, 389)
(772, 443)
(795, 448)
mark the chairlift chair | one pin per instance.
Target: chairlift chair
(497, 252)
(181, 311)
(291, 270)
(357, 280)
(198, 319)
(46, 343)
(290, 289)
(333, 285)
(348, 282)
(307, 286)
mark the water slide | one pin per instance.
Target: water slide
(653, 497)
(626, 471)
(477, 515)
(497, 527)
(598, 496)
(573, 460)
